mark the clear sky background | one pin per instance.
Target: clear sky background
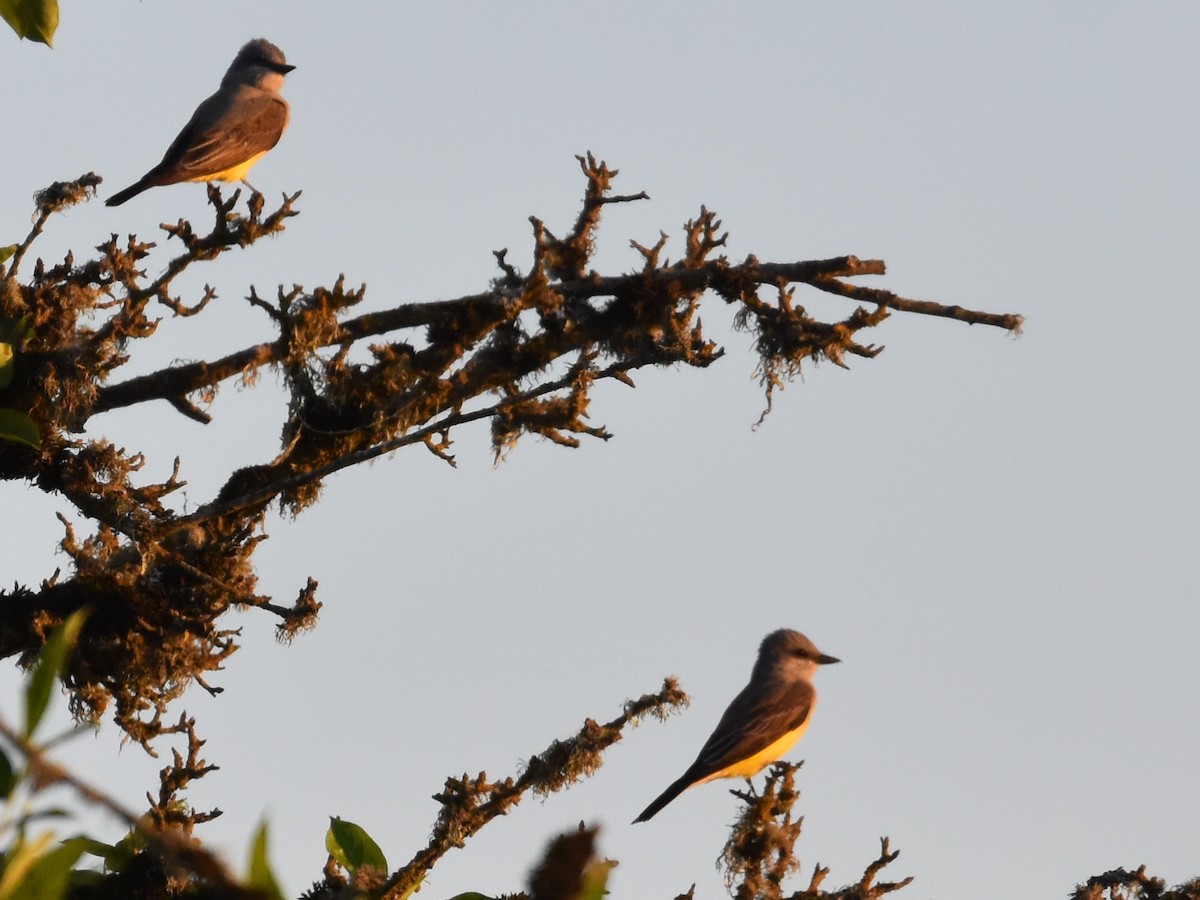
(999, 537)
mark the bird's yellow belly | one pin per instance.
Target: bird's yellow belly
(751, 765)
(233, 173)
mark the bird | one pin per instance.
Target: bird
(763, 722)
(231, 130)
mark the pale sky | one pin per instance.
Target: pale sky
(998, 536)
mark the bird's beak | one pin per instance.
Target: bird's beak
(282, 69)
(825, 659)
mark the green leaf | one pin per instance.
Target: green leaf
(352, 847)
(409, 891)
(7, 252)
(19, 859)
(49, 876)
(595, 881)
(88, 882)
(18, 428)
(8, 778)
(13, 330)
(49, 667)
(100, 849)
(33, 19)
(260, 875)
(13, 333)
(119, 855)
(6, 364)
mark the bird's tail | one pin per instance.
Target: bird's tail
(677, 787)
(130, 192)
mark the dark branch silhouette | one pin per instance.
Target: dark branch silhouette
(521, 356)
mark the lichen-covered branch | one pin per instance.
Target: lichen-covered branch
(760, 853)
(169, 854)
(468, 804)
(1126, 884)
(522, 356)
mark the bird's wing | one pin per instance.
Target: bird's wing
(758, 716)
(225, 134)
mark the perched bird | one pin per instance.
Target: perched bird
(763, 721)
(229, 131)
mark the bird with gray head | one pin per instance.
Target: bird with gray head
(763, 722)
(231, 130)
